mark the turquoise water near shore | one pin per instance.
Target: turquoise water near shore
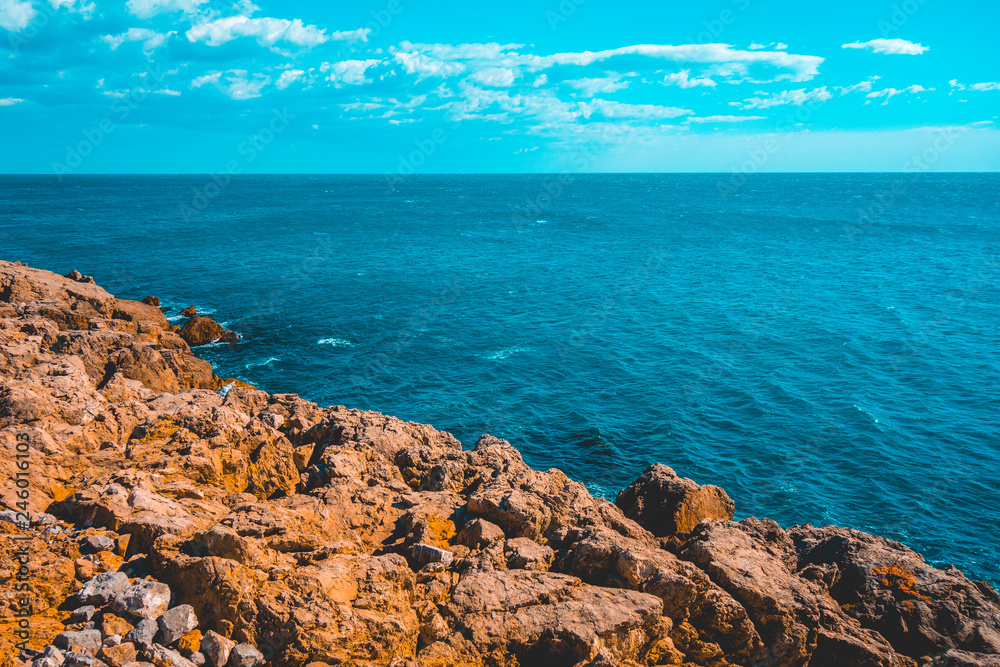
(824, 347)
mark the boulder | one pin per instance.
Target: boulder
(175, 623)
(96, 543)
(146, 599)
(216, 648)
(161, 656)
(102, 588)
(245, 655)
(143, 634)
(666, 504)
(119, 655)
(525, 554)
(200, 330)
(889, 588)
(88, 641)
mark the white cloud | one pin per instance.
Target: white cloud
(988, 85)
(268, 32)
(540, 81)
(85, 9)
(725, 119)
(150, 38)
(15, 15)
(861, 87)
(9, 101)
(778, 46)
(889, 93)
(348, 72)
(497, 77)
(610, 109)
(592, 86)
(795, 97)
(476, 56)
(889, 46)
(425, 66)
(211, 77)
(288, 77)
(242, 88)
(167, 91)
(684, 80)
(147, 9)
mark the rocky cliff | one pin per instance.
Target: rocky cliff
(155, 513)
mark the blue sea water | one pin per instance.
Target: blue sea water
(821, 365)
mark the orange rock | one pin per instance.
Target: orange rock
(189, 643)
(114, 625)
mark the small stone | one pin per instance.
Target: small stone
(197, 658)
(113, 640)
(164, 657)
(175, 623)
(100, 589)
(190, 311)
(143, 633)
(84, 569)
(425, 553)
(82, 614)
(217, 648)
(96, 543)
(189, 643)
(121, 545)
(147, 599)
(245, 655)
(50, 657)
(77, 659)
(120, 655)
(114, 625)
(88, 641)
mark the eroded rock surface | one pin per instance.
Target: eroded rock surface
(179, 519)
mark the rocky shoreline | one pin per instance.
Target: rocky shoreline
(178, 519)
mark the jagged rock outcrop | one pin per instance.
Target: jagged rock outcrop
(666, 504)
(179, 519)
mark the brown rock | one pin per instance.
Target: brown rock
(190, 311)
(151, 301)
(114, 625)
(755, 561)
(887, 587)
(189, 643)
(200, 330)
(540, 615)
(525, 554)
(664, 503)
(120, 655)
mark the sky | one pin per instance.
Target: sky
(424, 86)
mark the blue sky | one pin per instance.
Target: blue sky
(414, 86)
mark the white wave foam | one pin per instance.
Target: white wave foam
(503, 354)
(266, 362)
(335, 342)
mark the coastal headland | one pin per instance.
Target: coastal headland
(155, 513)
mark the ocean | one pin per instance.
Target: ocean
(824, 347)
